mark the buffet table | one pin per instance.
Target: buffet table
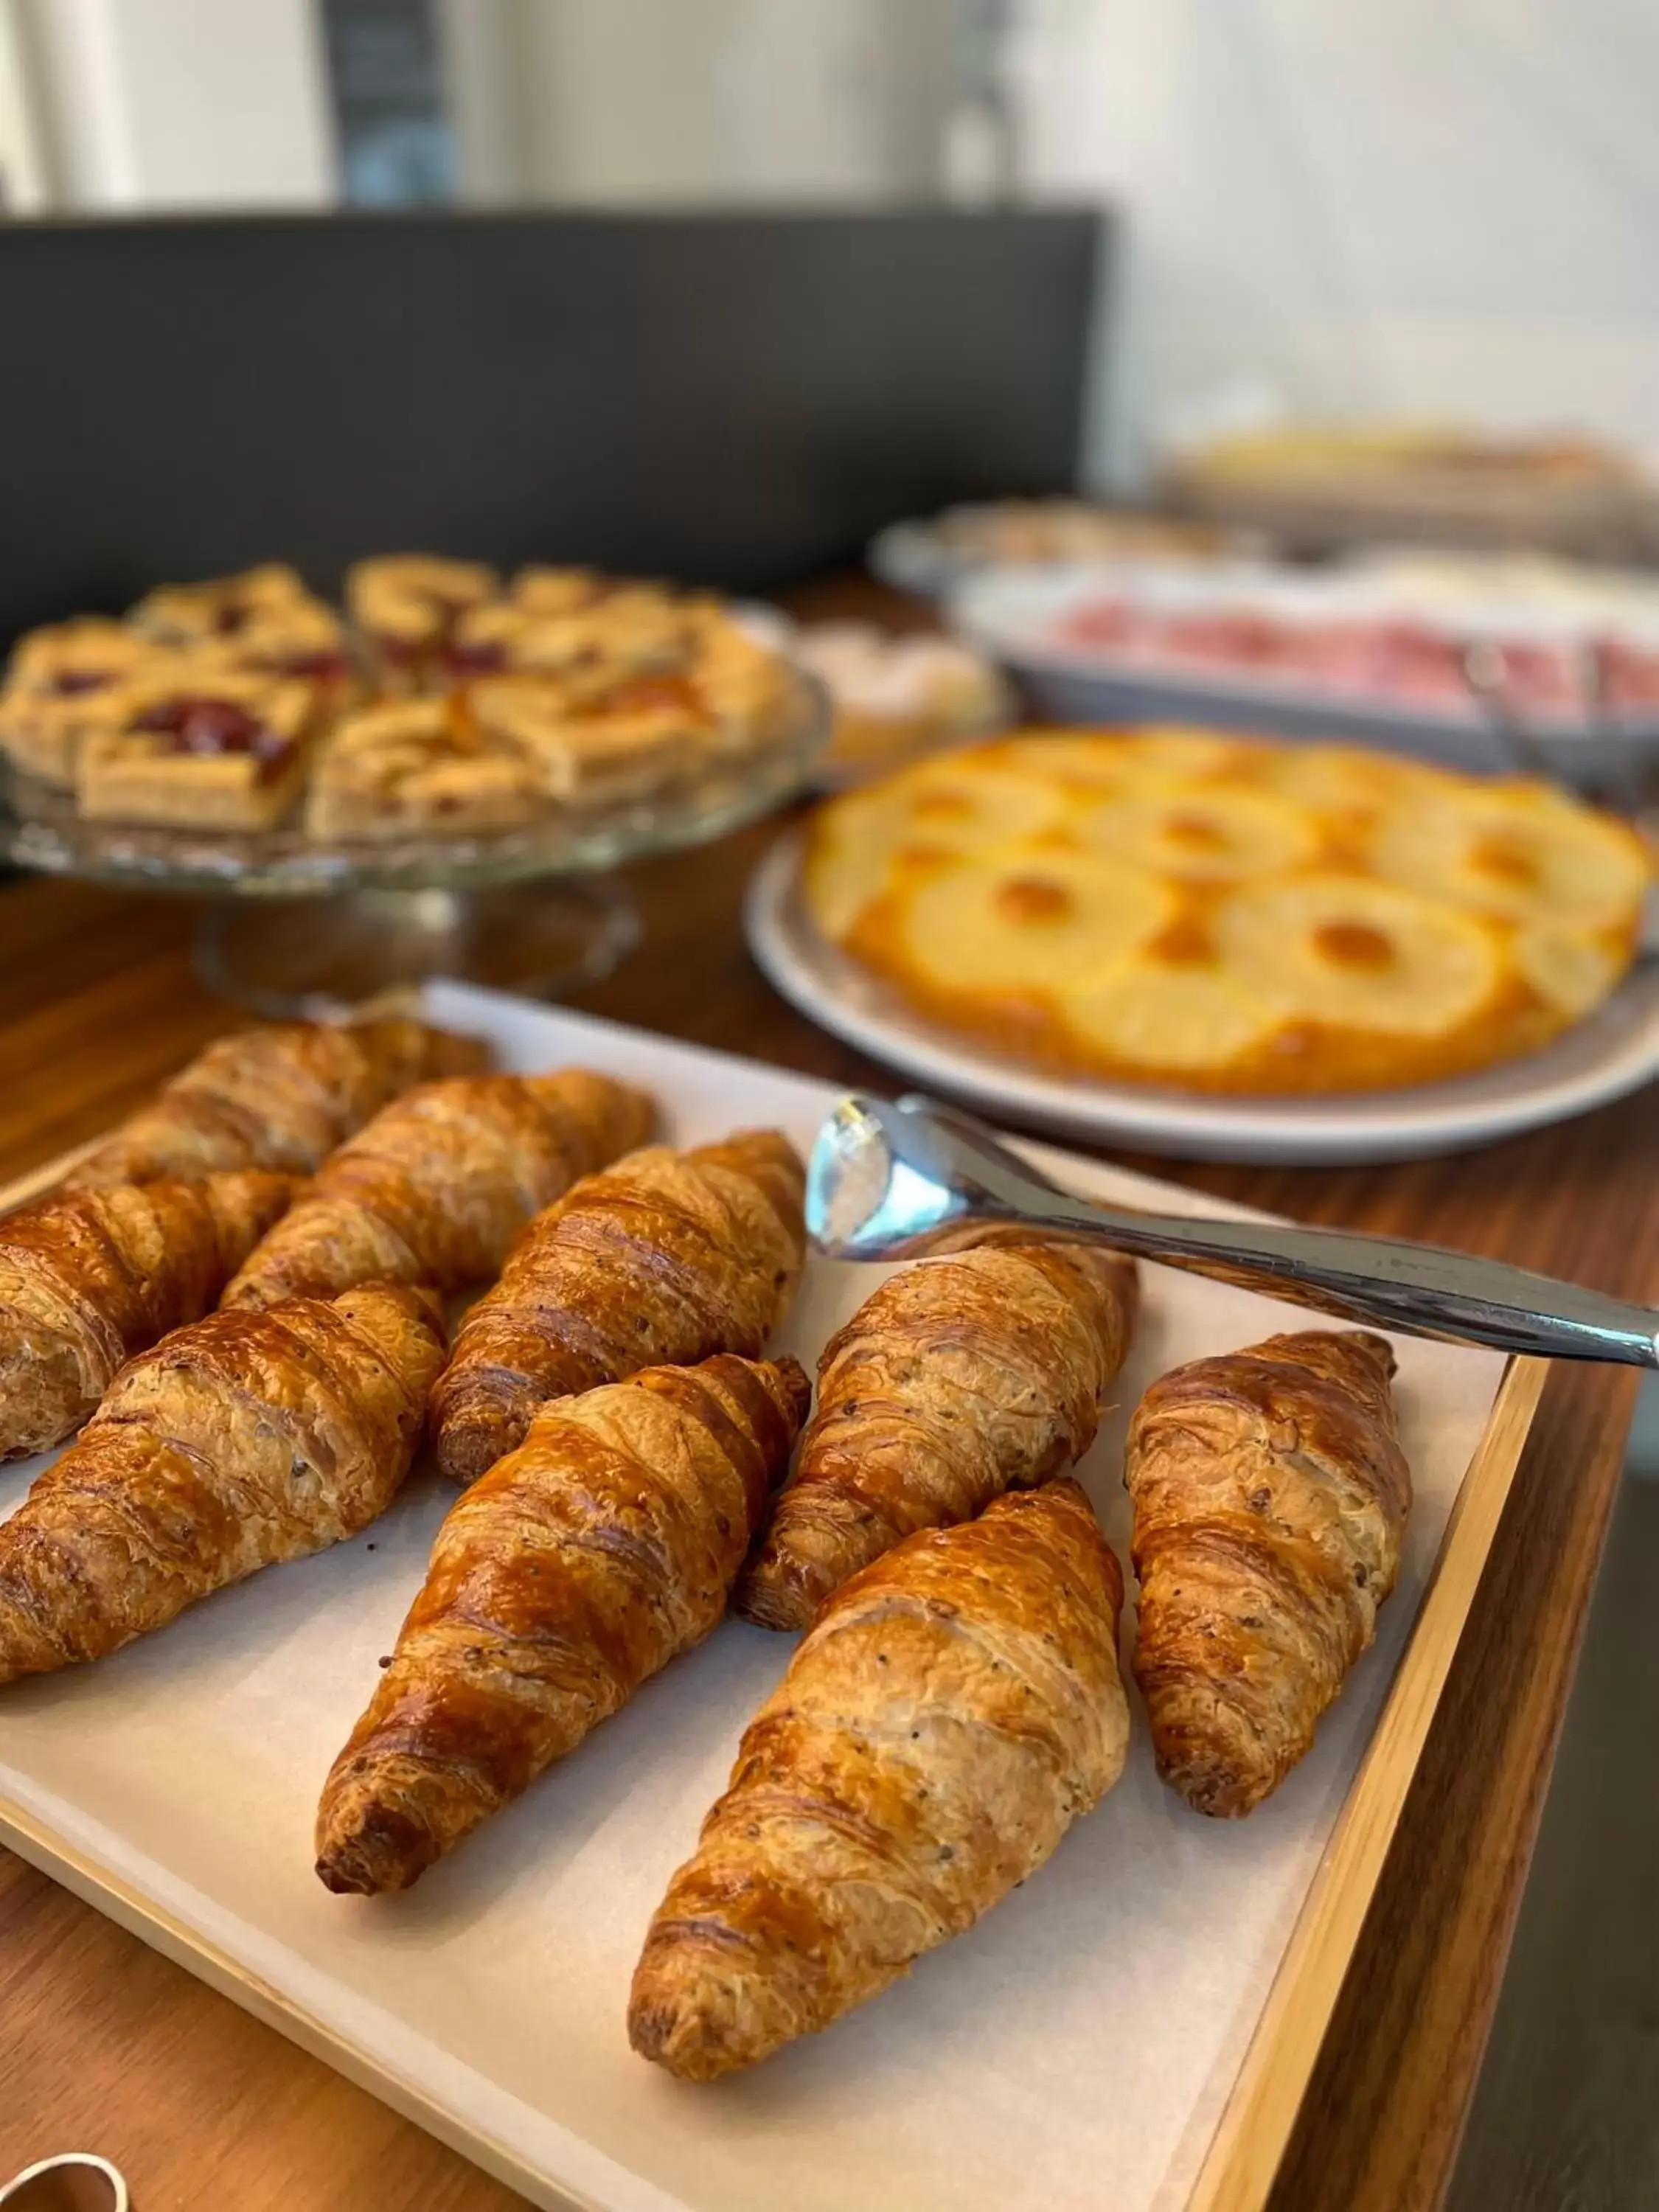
(112, 2048)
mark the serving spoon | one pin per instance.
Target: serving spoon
(887, 1181)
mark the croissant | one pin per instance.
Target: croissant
(241, 1440)
(278, 1098)
(437, 1186)
(958, 1378)
(569, 1573)
(665, 1258)
(89, 1277)
(1270, 1496)
(951, 1712)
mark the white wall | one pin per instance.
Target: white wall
(25, 175)
(618, 103)
(184, 103)
(1442, 208)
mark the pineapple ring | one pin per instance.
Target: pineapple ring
(1080, 761)
(1179, 1019)
(860, 836)
(1023, 920)
(1340, 780)
(1521, 852)
(1570, 969)
(1356, 954)
(1172, 755)
(1210, 833)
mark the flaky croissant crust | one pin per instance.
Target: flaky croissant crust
(434, 1188)
(574, 1569)
(953, 1709)
(243, 1439)
(957, 1378)
(665, 1258)
(89, 1277)
(276, 1098)
(1270, 1496)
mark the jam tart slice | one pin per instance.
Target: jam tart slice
(65, 683)
(749, 690)
(617, 635)
(204, 747)
(193, 614)
(305, 642)
(412, 768)
(405, 607)
(629, 742)
(541, 589)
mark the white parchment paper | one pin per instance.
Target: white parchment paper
(1075, 2050)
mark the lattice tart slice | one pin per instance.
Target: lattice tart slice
(629, 742)
(62, 683)
(618, 631)
(406, 606)
(204, 748)
(191, 614)
(303, 642)
(420, 767)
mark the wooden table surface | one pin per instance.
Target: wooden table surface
(110, 2047)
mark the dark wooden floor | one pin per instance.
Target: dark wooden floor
(1566, 2115)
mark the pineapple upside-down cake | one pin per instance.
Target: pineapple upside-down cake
(1222, 914)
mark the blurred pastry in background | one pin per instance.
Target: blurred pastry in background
(405, 605)
(1044, 530)
(1315, 486)
(201, 747)
(303, 640)
(61, 684)
(192, 614)
(898, 696)
(634, 631)
(541, 590)
(420, 767)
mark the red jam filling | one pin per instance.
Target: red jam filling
(400, 652)
(324, 666)
(213, 728)
(70, 682)
(486, 658)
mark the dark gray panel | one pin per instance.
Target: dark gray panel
(733, 399)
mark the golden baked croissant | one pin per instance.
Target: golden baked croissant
(957, 1378)
(241, 1440)
(436, 1187)
(949, 1713)
(663, 1260)
(563, 1578)
(89, 1277)
(278, 1098)
(1270, 1496)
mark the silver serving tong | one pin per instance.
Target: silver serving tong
(888, 1180)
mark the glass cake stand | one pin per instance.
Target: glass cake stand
(297, 926)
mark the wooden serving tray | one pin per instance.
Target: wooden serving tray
(1132, 2030)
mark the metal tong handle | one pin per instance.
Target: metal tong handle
(1422, 1288)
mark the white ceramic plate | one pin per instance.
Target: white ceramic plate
(1615, 1051)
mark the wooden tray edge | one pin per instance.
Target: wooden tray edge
(1256, 2125)
(106, 1892)
(35, 1180)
